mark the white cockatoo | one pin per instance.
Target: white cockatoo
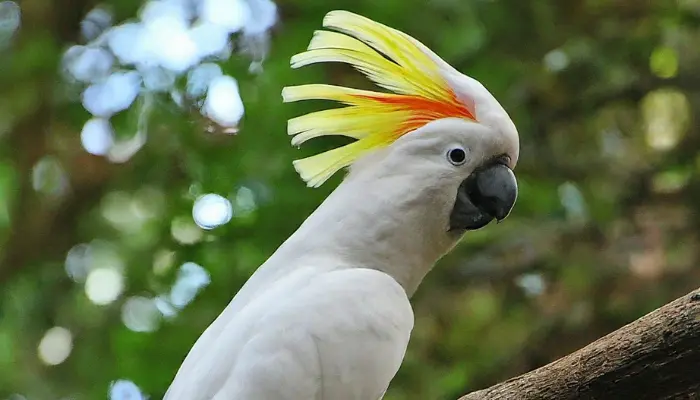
(327, 316)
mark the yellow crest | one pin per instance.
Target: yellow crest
(392, 60)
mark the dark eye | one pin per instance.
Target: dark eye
(456, 156)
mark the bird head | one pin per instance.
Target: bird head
(439, 128)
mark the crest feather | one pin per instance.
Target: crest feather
(389, 58)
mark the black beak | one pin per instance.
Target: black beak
(489, 192)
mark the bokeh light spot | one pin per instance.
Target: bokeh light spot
(97, 136)
(223, 104)
(55, 346)
(200, 77)
(125, 390)
(104, 285)
(532, 284)
(163, 261)
(10, 20)
(185, 231)
(49, 177)
(664, 62)
(158, 79)
(140, 314)
(230, 14)
(190, 280)
(114, 94)
(573, 202)
(78, 262)
(95, 23)
(124, 211)
(263, 15)
(165, 307)
(246, 201)
(556, 60)
(87, 64)
(666, 114)
(211, 210)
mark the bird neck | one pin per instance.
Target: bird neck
(383, 224)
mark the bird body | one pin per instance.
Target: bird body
(287, 349)
(328, 316)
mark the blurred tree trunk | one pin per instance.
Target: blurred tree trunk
(41, 229)
(655, 357)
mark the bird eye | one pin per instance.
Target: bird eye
(457, 156)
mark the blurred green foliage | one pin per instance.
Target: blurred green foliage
(604, 92)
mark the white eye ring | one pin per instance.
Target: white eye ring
(457, 156)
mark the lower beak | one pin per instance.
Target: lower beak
(486, 194)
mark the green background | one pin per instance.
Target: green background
(604, 93)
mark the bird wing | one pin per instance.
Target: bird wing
(333, 335)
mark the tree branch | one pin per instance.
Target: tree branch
(655, 357)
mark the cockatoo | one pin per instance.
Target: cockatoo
(327, 316)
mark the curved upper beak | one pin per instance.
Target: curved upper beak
(488, 193)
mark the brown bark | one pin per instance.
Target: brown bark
(655, 357)
(41, 229)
